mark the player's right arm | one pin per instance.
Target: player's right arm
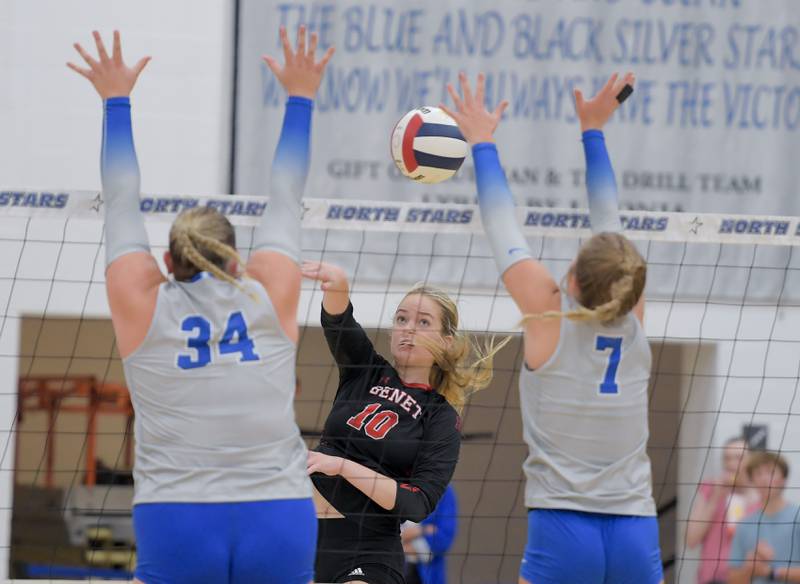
(528, 281)
(132, 274)
(276, 239)
(347, 340)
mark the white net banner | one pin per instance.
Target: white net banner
(414, 217)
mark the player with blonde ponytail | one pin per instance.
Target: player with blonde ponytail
(221, 492)
(583, 385)
(391, 441)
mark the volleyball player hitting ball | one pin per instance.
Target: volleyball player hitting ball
(391, 441)
(221, 491)
(583, 385)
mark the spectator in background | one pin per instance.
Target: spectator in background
(721, 503)
(426, 544)
(766, 547)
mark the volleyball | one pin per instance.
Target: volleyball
(427, 145)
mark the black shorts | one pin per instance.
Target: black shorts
(346, 551)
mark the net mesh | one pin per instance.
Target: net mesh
(722, 320)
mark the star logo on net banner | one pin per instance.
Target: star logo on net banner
(97, 202)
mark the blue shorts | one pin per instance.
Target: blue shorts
(226, 543)
(572, 547)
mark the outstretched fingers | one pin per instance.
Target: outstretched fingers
(86, 56)
(455, 97)
(465, 89)
(101, 48)
(140, 65)
(312, 47)
(629, 79)
(273, 65)
(326, 57)
(609, 86)
(480, 89)
(301, 42)
(81, 71)
(287, 48)
(500, 109)
(449, 112)
(116, 52)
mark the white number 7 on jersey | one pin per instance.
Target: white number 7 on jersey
(609, 384)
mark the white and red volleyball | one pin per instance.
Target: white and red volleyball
(427, 145)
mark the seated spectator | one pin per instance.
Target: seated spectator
(426, 543)
(720, 504)
(766, 547)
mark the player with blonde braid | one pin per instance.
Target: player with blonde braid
(221, 492)
(203, 239)
(391, 440)
(584, 381)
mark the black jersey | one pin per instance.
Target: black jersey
(407, 432)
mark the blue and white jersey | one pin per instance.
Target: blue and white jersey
(584, 418)
(213, 385)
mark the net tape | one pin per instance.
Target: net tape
(414, 217)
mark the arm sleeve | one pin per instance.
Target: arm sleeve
(279, 228)
(124, 226)
(348, 342)
(498, 209)
(445, 519)
(601, 186)
(433, 469)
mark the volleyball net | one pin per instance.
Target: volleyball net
(723, 319)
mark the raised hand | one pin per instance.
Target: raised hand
(476, 123)
(301, 73)
(594, 113)
(110, 76)
(332, 278)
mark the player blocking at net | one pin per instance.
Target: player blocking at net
(584, 380)
(221, 489)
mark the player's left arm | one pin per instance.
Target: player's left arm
(601, 184)
(434, 466)
(276, 239)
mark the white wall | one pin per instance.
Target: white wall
(50, 128)
(50, 117)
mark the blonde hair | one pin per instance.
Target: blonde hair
(451, 375)
(203, 240)
(610, 274)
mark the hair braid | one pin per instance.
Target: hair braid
(603, 257)
(186, 244)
